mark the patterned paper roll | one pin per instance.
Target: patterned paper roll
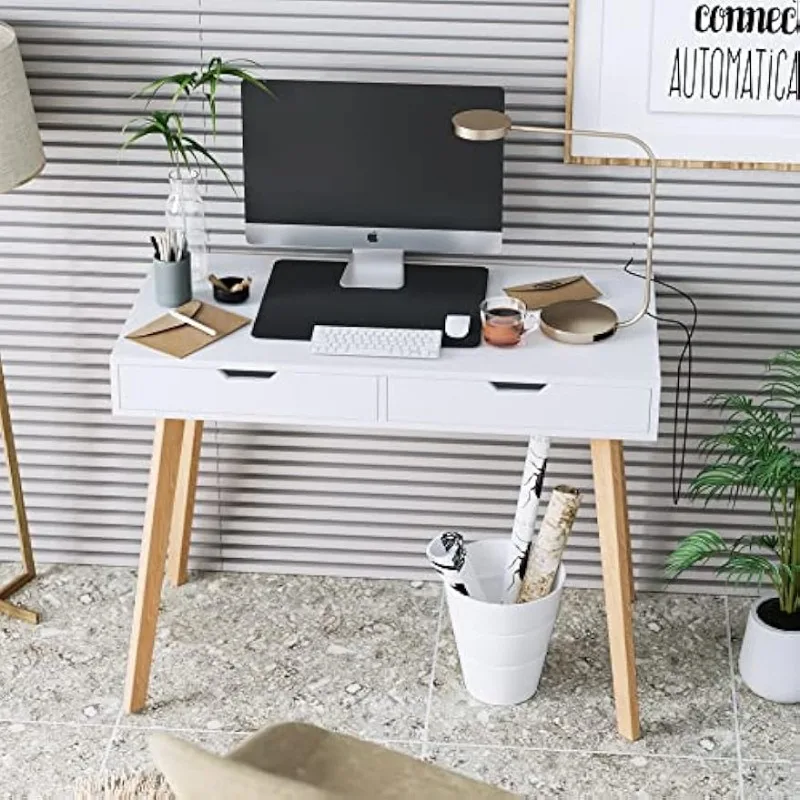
(530, 491)
(448, 555)
(548, 549)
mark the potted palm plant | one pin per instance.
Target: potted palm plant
(184, 211)
(756, 454)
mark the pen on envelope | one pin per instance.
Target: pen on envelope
(193, 322)
(545, 286)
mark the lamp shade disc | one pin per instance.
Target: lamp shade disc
(481, 124)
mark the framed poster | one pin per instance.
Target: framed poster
(707, 85)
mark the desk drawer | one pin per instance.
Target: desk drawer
(565, 410)
(165, 391)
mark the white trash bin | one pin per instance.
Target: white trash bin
(501, 648)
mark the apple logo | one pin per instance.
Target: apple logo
(372, 237)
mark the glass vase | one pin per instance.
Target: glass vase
(186, 213)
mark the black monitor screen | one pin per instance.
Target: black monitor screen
(369, 154)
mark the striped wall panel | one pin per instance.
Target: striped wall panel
(73, 252)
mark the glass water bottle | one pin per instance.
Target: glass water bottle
(186, 213)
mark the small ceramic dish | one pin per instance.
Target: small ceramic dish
(226, 295)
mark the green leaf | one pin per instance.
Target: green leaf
(183, 81)
(211, 98)
(166, 124)
(696, 548)
(196, 147)
(135, 138)
(749, 567)
(217, 69)
(210, 73)
(251, 79)
(771, 543)
(213, 74)
(783, 381)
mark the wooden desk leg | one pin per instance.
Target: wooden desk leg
(158, 518)
(612, 520)
(183, 512)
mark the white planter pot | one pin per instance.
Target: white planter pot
(502, 648)
(770, 659)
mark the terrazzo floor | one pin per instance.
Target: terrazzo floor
(377, 659)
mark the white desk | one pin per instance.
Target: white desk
(604, 392)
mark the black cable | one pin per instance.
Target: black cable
(687, 355)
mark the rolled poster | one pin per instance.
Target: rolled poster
(448, 555)
(530, 491)
(548, 549)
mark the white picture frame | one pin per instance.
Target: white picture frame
(630, 69)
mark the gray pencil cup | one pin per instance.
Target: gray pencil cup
(173, 282)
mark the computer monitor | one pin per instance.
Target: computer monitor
(373, 168)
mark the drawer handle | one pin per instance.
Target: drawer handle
(502, 386)
(231, 374)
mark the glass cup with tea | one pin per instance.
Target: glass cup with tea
(506, 321)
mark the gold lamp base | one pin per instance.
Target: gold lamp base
(578, 321)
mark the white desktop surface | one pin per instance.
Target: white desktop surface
(630, 358)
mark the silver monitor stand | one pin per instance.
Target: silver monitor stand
(368, 268)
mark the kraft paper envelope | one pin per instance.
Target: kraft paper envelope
(545, 293)
(175, 338)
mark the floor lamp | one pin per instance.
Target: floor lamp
(21, 159)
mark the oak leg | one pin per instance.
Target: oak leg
(158, 518)
(612, 521)
(20, 515)
(183, 512)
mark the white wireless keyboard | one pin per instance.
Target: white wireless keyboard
(335, 340)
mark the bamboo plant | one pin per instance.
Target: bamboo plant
(184, 150)
(755, 454)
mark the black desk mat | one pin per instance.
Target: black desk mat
(303, 293)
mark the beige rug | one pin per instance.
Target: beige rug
(136, 786)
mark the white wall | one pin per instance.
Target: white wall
(73, 251)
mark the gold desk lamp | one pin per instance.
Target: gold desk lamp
(21, 159)
(572, 321)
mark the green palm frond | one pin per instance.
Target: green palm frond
(766, 542)
(783, 381)
(696, 549)
(740, 563)
(789, 573)
(750, 568)
(755, 454)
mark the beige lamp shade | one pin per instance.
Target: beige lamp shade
(21, 153)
